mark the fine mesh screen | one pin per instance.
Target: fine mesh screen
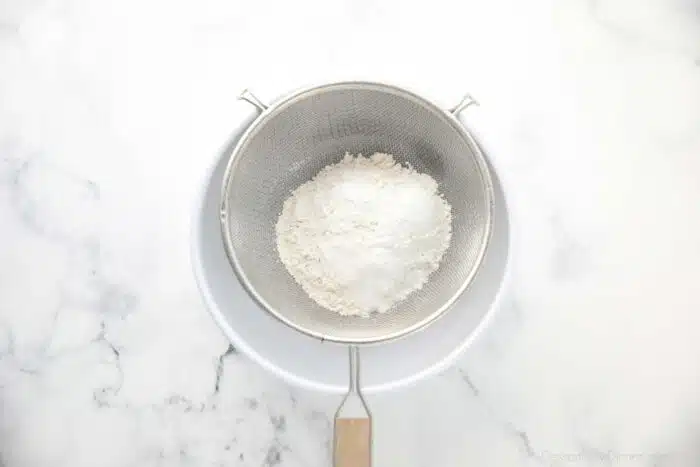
(294, 140)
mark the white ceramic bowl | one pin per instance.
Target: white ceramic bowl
(310, 363)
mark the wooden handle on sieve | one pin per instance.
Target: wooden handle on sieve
(353, 442)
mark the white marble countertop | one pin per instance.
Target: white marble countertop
(110, 113)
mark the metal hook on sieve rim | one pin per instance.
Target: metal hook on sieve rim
(249, 97)
(466, 101)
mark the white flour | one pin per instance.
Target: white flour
(363, 234)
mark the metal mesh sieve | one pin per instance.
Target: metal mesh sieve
(293, 140)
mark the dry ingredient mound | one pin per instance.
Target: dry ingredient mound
(363, 234)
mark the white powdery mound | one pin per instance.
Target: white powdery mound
(363, 234)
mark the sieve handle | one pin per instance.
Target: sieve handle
(352, 444)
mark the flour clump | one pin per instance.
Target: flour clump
(364, 233)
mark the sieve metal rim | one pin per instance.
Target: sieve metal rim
(267, 112)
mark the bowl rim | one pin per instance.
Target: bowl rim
(241, 343)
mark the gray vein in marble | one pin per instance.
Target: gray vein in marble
(279, 422)
(274, 452)
(29, 209)
(231, 350)
(27, 174)
(467, 379)
(275, 448)
(273, 457)
(100, 395)
(521, 435)
(525, 440)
